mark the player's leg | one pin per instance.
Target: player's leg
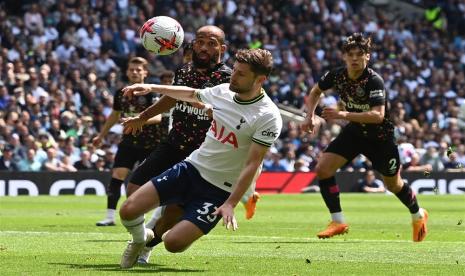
(124, 161)
(132, 217)
(335, 156)
(170, 215)
(197, 220)
(181, 236)
(326, 169)
(388, 164)
(159, 160)
(167, 188)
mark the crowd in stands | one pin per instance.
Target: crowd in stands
(61, 62)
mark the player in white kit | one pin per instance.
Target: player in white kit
(211, 181)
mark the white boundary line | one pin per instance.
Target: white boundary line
(225, 237)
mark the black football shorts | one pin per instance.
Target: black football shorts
(383, 154)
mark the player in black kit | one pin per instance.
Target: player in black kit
(132, 148)
(369, 132)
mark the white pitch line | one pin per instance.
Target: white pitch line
(213, 236)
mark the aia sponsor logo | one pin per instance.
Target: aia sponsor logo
(223, 135)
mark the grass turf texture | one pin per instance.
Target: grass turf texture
(56, 235)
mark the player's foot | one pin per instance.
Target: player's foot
(251, 205)
(144, 256)
(133, 250)
(106, 222)
(419, 227)
(333, 229)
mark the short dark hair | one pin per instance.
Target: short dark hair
(259, 60)
(211, 29)
(167, 74)
(139, 61)
(357, 40)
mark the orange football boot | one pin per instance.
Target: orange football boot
(419, 227)
(251, 205)
(333, 229)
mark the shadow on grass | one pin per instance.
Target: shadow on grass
(148, 268)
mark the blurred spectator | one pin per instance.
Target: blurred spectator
(370, 184)
(301, 166)
(104, 64)
(30, 163)
(7, 162)
(452, 165)
(274, 164)
(432, 158)
(100, 165)
(52, 163)
(84, 163)
(67, 165)
(33, 18)
(415, 165)
(288, 160)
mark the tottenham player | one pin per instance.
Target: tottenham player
(212, 180)
(369, 132)
(190, 124)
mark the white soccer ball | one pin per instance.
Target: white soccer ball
(162, 35)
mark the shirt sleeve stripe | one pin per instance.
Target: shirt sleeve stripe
(261, 142)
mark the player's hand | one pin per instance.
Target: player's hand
(227, 212)
(132, 125)
(137, 89)
(330, 113)
(97, 141)
(207, 107)
(309, 123)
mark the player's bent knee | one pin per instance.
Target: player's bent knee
(120, 173)
(126, 212)
(175, 245)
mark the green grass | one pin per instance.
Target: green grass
(56, 235)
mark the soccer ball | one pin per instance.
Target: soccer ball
(162, 35)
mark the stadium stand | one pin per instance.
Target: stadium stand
(61, 62)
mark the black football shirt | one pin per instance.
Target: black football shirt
(190, 124)
(360, 96)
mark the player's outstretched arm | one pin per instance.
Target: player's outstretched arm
(374, 116)
(151, 115)
(254, 160)
(134, 125)
(182, 93)
(313, 99)
(111, 121)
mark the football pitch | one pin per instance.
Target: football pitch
(57, 236)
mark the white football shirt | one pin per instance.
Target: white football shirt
(235, 126)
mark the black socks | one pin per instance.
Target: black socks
(408, 198)
(114, 193)
(330, 192)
